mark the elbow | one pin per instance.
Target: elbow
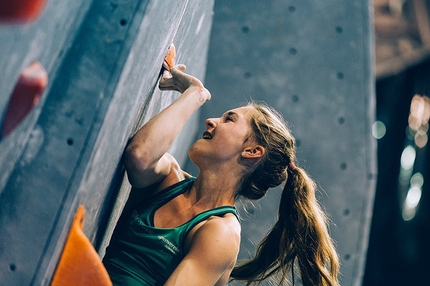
(135, 159)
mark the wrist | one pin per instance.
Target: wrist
(199, 92)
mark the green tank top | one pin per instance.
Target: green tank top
(141, 254)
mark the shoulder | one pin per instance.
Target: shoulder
(144, 188)
(222, 225)
(141, 174)
(175, 174)
(217, 235)
(175, 169)
(210, 254)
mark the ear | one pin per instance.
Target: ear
(254, 152)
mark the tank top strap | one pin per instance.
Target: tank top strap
(170, 192)
(175, 189)
(219, 211)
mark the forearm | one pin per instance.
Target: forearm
(153, 140)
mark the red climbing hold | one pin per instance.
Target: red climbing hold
(23, 10)
(26, 94)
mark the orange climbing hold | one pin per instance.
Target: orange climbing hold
(169, 59)
(79, 263)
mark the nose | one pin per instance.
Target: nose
(210, 123)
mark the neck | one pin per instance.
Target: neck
(213, 189)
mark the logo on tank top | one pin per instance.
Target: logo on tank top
(167, 243)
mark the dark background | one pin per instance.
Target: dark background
(398, 249)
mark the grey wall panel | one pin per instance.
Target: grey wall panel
(103, 85)
(312, 60)
(191, 39)
(44, 40)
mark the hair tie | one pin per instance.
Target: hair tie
(291, 166)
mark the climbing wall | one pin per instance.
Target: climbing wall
(311, 60)
(102, 59)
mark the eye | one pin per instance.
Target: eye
(229, 116)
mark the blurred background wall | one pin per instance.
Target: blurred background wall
(313, 62)
(398, 244)
(339, 82)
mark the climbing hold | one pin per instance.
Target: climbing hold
(80, 263)
(169, 59)
(26, 94)
(22, 11)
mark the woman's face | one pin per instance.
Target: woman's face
(225, 137)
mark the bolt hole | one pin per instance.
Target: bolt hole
(295, 98)
(293, 51)
(339, 30)
(298, 142)
(245, 29)
(346, 212)
(347, 257)
(123, 22)
(12, 267)
(340, 75)
(341, 120)
(247, 75)
(343, 166)
(291, 8)
(70, 141)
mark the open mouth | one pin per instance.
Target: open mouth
(207, 135)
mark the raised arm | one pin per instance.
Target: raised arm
(145, 156)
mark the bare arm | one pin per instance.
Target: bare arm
(212, 255)
(145, 157)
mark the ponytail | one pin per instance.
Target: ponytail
(299, 237)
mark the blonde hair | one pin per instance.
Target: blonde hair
(300, 234)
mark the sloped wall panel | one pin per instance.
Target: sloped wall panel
(103, 60)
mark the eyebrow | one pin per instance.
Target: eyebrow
(231, 113)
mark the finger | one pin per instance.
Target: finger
(166, 65)
(166, 75)
(177, 70)
(165, 83)
(181, 67)
(161, 87)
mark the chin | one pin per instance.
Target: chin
(194, 153)
(191, 153)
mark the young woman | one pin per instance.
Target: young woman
(180, 230)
